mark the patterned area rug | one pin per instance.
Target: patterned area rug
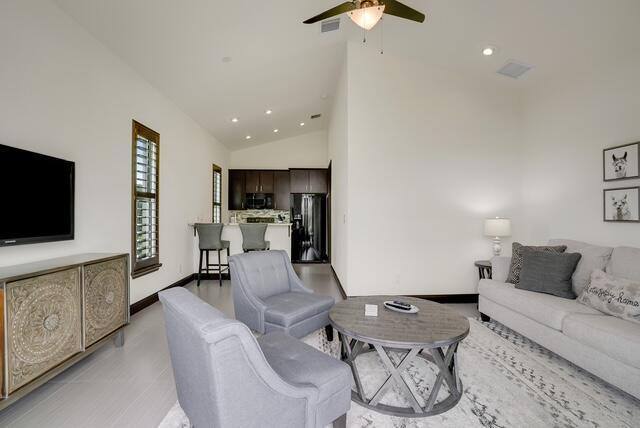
(508, 381)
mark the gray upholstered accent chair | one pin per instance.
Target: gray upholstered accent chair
(226, 378)
(253, 237)
(210, 239)
(269, 296)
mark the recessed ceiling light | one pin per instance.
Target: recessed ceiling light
(276, 130)
(488, 51)
(248, 137)
(235, 120)
(301, 123)
(268, 112)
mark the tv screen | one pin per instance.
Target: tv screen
(37, 197)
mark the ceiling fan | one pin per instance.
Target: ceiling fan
(367, 13)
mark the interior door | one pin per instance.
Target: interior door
(299, 180)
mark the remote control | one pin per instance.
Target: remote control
(401, 307)
(400, 303)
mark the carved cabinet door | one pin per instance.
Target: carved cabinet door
(43, 324)
(106, 300)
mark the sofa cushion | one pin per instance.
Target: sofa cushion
(287, 309)
(615, 296)
(594, 257)
(300, 364)
(516, 259)
(613, 336)
(544, 308)
(625, 263)
(547, 272)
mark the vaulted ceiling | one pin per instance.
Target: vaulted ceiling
(218, 60)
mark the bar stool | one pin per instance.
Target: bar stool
(253, 237)
(209, 239)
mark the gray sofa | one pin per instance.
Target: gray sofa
(607, 346)
(269, 296)
(226, 378)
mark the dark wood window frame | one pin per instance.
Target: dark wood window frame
(216, 203)
(143, 266)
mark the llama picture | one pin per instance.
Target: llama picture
(621, 162)
(622, 205)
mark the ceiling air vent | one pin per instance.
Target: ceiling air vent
(315, 116)
(514, 69)
(330, 25)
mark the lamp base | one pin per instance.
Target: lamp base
(497, 246)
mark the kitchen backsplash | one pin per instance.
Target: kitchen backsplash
(241, 216)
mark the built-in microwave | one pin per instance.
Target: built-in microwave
(259, 201)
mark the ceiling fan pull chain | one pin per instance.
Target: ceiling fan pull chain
(364, 36)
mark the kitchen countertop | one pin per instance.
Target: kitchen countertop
(270, 224)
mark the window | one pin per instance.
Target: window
(145, 200)
(217, 194)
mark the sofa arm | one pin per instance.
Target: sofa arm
(500, 268)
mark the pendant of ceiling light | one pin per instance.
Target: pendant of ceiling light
(368, 14)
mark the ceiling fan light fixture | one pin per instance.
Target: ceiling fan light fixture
(367, 17)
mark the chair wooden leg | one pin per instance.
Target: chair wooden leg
(329, 330)
(200, 268)
(219, 268)
(341, 422)
(206, 252)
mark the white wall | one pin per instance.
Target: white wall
(303, 151)
(567, 124)
(431, 153)
(64, 94)
(338, 154)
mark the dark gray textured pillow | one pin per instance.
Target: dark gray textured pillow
(548, 272)
(516, 258)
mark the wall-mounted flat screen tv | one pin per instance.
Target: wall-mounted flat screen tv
(36, 197)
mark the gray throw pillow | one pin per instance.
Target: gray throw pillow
(613, 295)
(548, 272)
(516, 258)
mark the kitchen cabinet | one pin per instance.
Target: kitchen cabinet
(236, 189)
(309, 181)
(266, 182)
(282, 190)
(252, 181)
(318, 181)
(299, 180)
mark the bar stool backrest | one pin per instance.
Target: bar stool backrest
(209, 236)
(253, 236)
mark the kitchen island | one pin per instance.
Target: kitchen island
(278, 235)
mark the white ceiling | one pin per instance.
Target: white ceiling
(278, 63)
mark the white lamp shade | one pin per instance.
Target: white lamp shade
(497, 227)
(367, 17)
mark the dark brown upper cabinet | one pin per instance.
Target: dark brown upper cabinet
(299, 180)
(318, 181)
(281, 197)
(266, 181)
(252, 181)
(309, 181)
(236, 189)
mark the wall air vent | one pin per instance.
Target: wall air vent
(315, 116)
(330, 25)
(514, 69)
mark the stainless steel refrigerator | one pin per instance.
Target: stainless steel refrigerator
(309, 228)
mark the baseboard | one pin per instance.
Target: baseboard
(150, 300)
(210, 276)
(450, 298)
(340, 287)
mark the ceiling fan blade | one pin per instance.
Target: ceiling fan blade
(340, 9)
(395, 8)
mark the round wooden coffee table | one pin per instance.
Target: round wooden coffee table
(432, 334)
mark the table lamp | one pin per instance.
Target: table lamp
(497, 228)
